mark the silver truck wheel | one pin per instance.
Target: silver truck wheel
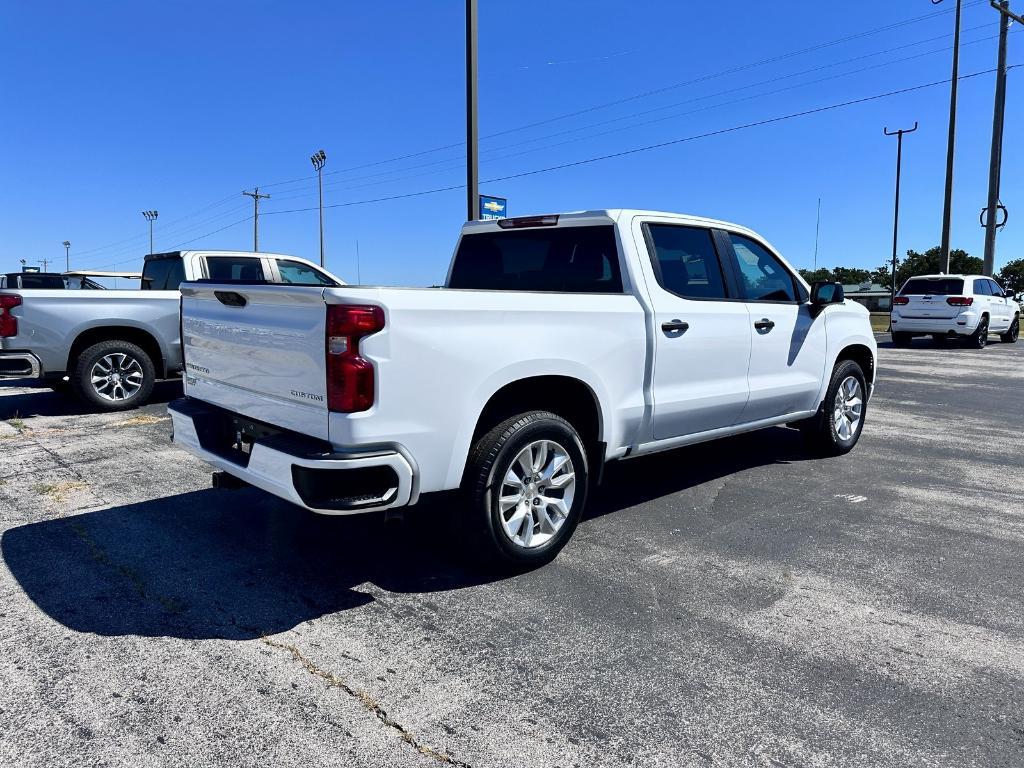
(536, 494)
(113, 375)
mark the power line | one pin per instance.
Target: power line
(645, 94)
(656, 120)
(658, 145)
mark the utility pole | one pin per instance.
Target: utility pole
(990, 214)
(256, 197)
(44, 262)
(817, 229)
(151, 216)
(472, 156)
(896, 216)
(67, 257)
(318, 160)
(947, 208)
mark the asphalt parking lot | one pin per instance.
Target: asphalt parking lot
(736, 603)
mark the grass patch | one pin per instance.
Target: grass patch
(139, 420)
(58, 492)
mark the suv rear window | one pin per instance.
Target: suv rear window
(925, 286)
(566, 259)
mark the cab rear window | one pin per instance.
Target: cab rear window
(565, 259)
(921, 286)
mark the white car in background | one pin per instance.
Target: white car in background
(954, 306)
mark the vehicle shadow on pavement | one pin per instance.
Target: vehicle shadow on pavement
(635, 481)
(43, 401)
(239, 564)
(219, 564)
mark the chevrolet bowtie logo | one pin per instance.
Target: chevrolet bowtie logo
(493, 206)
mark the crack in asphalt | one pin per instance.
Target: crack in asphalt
(368, 702)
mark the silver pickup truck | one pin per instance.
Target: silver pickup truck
(111, 346)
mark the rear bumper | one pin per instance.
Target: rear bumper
(19, 365)
(963, 324)
(303, 470)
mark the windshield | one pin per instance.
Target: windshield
(932, 286)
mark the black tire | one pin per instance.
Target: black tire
(901, 339)
(820, 432)
(1012, 333)
(979, 339)
(490, 460)
(81, 376)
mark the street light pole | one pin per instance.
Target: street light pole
(151, 216)
(67, 257)
(896, 215)
(991, 212)
(318, 160)
(947, 209)
(472, 157)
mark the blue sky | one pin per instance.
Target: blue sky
(112, 108)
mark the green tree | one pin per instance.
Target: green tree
(813, 276)
(1011, 277)
(927, 263)
(850, 275)
(882, 275)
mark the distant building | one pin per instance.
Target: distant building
(877, 298)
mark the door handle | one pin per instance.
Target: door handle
(675, 326)
(764, 324)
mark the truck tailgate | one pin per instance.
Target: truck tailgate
(258, 350)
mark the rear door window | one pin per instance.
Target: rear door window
(939, 286)
(233, 269)
(565, 259)
(686, 261)
(981, 288)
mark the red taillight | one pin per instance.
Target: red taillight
(350, 378)
(901, 300)
(8, 322)
(960, 301)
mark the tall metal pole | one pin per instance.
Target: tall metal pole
(995, 165)
(896, 214)
(817, 229)
(472, 158)
(67, 255)
(256, 197)
(151, 216)
(319, 160)
(947, 209)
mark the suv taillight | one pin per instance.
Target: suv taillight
(901, 300)
(8, 322)
(960, 301)
(350, 378)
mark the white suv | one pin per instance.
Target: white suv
(954, 306)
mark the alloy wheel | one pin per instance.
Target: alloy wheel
(848, 408)
(536, 494)
(117, 376)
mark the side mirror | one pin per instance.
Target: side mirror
(824, 293)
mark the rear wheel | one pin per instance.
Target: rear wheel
(524, 490)
(901, 339)
(113, 376)
(838, 426)
(979, 339)
(1012, 333)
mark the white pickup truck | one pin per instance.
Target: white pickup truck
(559, 343)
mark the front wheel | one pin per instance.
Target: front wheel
(838, 426)
(1012, 333)
(524, 490)
(114, 376)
